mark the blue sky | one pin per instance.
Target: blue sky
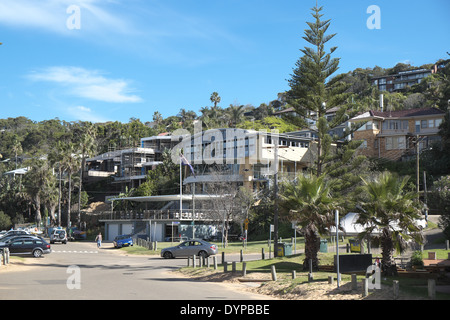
(130, 58)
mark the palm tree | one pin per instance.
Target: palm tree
(388, 207)
(235, 113)
(310, 203)
(215, 98)
(16, 147)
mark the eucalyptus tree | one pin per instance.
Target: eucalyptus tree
(35, 181)
(70, 164)
(56, 158)
(86, 146)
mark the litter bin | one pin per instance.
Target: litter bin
(280, 250)
(355, 245)
(287, 249)
(323, 245)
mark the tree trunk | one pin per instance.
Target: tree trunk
(388, 266)
(68, 200)
(312, 246)
(37, 203)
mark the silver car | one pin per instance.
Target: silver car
(190, 248)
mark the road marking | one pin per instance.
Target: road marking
(74, 251)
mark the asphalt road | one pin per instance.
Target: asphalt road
(81, 271)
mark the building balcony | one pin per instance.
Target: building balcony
(161, 215)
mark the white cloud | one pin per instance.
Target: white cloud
(85, 114)
(52, 15)
(89, 84)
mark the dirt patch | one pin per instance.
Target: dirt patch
(285, 289)
(15, 265)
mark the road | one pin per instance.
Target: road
(81, 271)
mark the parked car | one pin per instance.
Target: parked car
(190, 248)
(12, 233)
(58, 235)
(7, 238)
(175, 239)
(35, 246)
(123, 240)
(24, 236)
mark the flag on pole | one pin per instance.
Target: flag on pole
(185, 162)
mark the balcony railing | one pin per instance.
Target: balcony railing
(186, 215)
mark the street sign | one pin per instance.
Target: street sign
(272, 228)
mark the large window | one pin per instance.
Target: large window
(395, 143)
(395, 125)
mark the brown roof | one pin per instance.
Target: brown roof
(407, 113)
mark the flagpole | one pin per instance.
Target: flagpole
(181, 189)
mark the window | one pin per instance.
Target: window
(363, 145)
(437, 122)
(423, 124)
(395, 143)
(431, 123)
(405, 125)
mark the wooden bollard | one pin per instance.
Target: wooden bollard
(432, 289)
(274, 273)
(396, 289)
(365, 287)
(354, 282)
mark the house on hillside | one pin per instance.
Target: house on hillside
(230, 158)
(393, 134)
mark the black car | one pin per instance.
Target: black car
(26, 245)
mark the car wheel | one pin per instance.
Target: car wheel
(203, 254)
(168, 255)
(37, 253)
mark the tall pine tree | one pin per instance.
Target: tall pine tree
(314, 92)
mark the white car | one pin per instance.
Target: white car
(58, 235)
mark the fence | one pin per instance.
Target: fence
(186, 214)
(150, 245)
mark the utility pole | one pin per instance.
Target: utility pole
(275, 218)
(417, 166)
